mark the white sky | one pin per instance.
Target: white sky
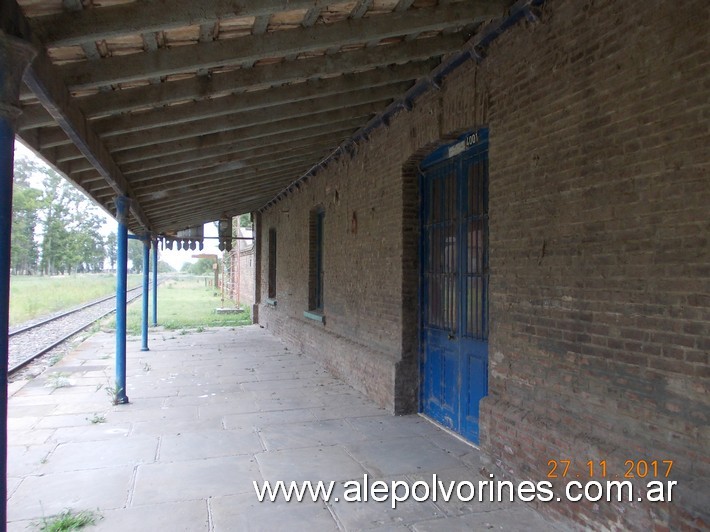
(176, 258)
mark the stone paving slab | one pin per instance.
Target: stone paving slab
(211, 413)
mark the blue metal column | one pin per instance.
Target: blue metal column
(146, 284)
(155, 283)
(121, 281)
(15, 55)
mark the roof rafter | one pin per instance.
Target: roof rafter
(259, 100)
(264, 76)
(295, 129)
(159, 163)
(263, 127)
(197, 194)
(163, 62)
(66, 29)
(277, 113)
(224, 156)
(214, 179)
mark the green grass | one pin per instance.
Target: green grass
(186, 304)
(68, 520)
(96, 419)
(35, 296)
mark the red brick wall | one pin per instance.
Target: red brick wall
(242, 266)
(599, 202)
(600, 261)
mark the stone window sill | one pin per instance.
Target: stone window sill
(314, 315)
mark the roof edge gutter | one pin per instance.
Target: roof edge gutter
(474, 49)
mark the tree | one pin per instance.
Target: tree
(24, 252)
(201, 267)
(69, 224)
(164, 267)
(135, 255)
(111, 251)
(25, 204)
(88, 244)
(55, 239)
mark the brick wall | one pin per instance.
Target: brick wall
(246, 277)
(600, 260)
(242, 267)
(599, 202)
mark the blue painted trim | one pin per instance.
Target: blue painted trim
(315, 316)
(121, 282)
(477, 138)
(155, 283)
(470, 146)
(146, 295)
(7, 146)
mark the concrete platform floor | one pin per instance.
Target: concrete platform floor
(211, 412)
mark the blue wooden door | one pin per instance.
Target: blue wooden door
(454, 283)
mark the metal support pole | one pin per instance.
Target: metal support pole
(146, 295)
(155, 283)
(15, 56)
(121, 281)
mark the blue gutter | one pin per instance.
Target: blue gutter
(473, 49)
(122, 202)
(146, 295)
(155, 282)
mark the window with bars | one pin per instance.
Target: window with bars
(272, 264)
(456, 257)
(315, 255)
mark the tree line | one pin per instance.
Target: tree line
(56, 229)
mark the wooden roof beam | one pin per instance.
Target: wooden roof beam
(180, 59)
(269, 124)
(34, 116)
(183, 197)
(189, 204)
(236, 206)
(244, 200)
(265, 76)
(259, 100)
(298, 128)
(333, 134)
(66, 29)
(208, 177)
(278, 113)
(323, 142)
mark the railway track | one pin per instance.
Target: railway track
(31, 341)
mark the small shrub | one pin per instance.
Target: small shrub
(98, 418)
(58, 380)
(68, 520)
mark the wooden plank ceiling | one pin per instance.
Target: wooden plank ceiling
(200, 109)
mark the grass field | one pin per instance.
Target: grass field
(35, 296)
(185, 303)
